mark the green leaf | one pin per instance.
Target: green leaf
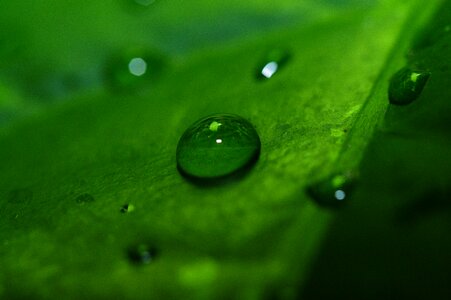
(67, 172)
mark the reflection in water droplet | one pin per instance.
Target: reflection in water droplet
(272, 63)
(84, 198)
(331, 192)
(406, 85)
(217, 146)
(142, 254)
(127, 208)
(20, 196)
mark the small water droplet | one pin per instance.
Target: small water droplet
(273, 62)
(406, 85)
(127, 208)
(133, 68)
(333, 191)
(217, 146)
(142, 254)
(21, 196)
(84, 198)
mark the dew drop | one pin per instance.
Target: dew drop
(217, 146)
(142, 254)
(84, 198)
(20, 196)
(331, 192)
(406, 85)
(273, 62)
(134, 68)
(127, 208)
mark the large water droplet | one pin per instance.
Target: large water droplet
(333, 191)
(84, 198)
(134, 68)
(217, 146)
(273, 62)
(142, 254)
(406, 85)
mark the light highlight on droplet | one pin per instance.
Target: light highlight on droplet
(340, 195)
(137, 66)
(269, 69)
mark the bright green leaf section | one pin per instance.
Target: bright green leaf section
(251, 236)
(393, 241)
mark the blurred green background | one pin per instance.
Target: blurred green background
(80, 137)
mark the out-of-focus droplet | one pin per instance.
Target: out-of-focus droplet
(134, 68)
(333, 191)
(137, 66)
